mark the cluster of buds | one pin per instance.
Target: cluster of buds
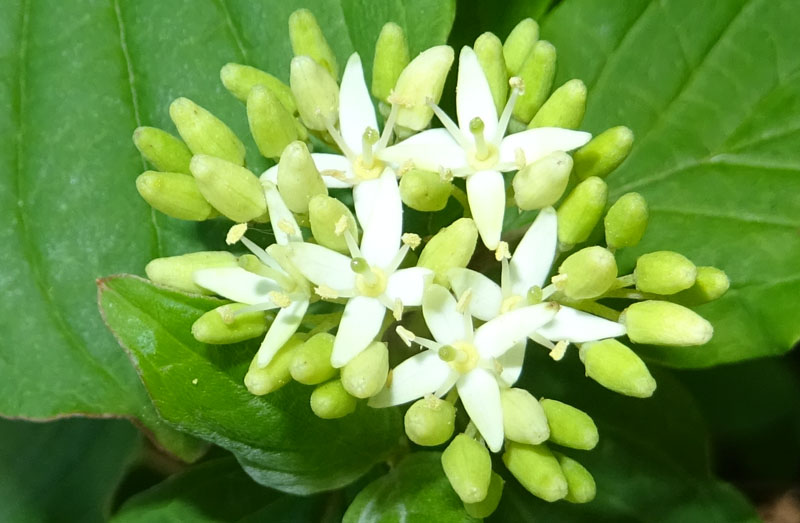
(352, 269)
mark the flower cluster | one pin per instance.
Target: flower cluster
(358, 273)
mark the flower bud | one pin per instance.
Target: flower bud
(617, 368)
(424, 190)
(204, 133)
(178, 271)
(536, 469)
(312, 360)
(524, 420)
(570, 427)
(626, 221)
(365, 375)
(251, 263)
(451, 247)
(485, 508)
(308, 40)
(165, 152)
(537, 72)
(540, 184)
(273, 127)
(316, 93)
(664, 272)
(325, 214)
(711, 283)
(298, 178)
(489, 50)
(468, 466)
(391, 57)
(263, 380)
(581, 210)
(174, 194)
(587, 273)
(604, 153)
(331, 401)
(565, 107)
(233, 190)
(519, 44)
(665, 323)
(420, 82)
(430, 421)
(240, 80)
(580, 482)
(222, 325)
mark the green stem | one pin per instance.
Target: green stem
(461, 197)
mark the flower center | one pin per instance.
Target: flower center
(462, 356)
(367, 166)
(370, 281)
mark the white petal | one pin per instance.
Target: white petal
(512, 362)
(444, 321)
(536, 143)
(361, 322)
(286, 322)
(578, 327)
(486, 295)
(495, 337)
(364, 196)
(418, 376)
(283, 223)
(356, 111)
(326, 162)
(473, 95)
(480, 395)
(534, 255)
(237, 284)
(486, 193)
(381, 239)
(270, 175)
(323, 266)
(432, 149)
(408, 285)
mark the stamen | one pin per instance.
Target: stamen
(352, 246)
(280, 299)
(398, 258)
(368, 140)
(407, 166)
(411, 239)
(256, 307)
(505, 277)
(541, 340)
(502, 252)
(235, 233)
(406, 335)
(326, 293)
(510, 303)
(388, 128)
(519, 158)
(549, 291)
(287, 227)
(397, 310)
(559, 280)
(341, 225)
(261, 254)
(557, 353)
(450, 125)
(446, 175)
(337, 137)
(463, 301)
(476, 127)
(517, 88)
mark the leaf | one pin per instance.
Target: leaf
(711, 91)
(416, 490)
(199, 389)
(474, 17)
(62, 471)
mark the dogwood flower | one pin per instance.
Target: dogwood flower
(476, 148)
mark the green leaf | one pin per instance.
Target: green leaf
(199, 389)
(416, 490)
(475, 17)
(62, 471)
(711, 91)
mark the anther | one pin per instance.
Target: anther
(406, 335)
(235, 233)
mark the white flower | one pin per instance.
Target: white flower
(473, 362)
(476, 148)
(370, 277)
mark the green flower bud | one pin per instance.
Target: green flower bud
(204, 133)
(618, 368)
(570, 427)
(365, 375)
(587, 273)
(524, 420)
(424, 190)
(540, 184)
(174, 194)
(316, 93)
(391, 57)
(711, 283)
(165, 152)
(263, 380)
(565, 107)
(178, 271)
(664, 272)
(580, 482)
(604, 153)
(581, 210)
(421, 81)
(519, 45)
(298, 178)
(240, 80)
(485, 508)
(430, 421)
(222, 325)
(325, 214)
(308, 40)
(537, 72)
(331, 401)
(489, 50)
(312, 360)
(451, 247)
(536, 469)
(233, 190)
(665, 323)
(626, 221)
(272, 126)
(468, 467)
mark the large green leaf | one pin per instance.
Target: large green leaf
(711, 90)
(199, 389)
